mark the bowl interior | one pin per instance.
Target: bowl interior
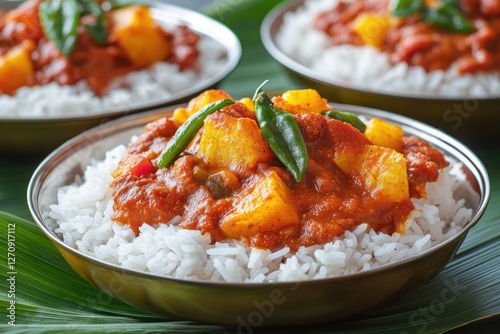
(326, 299)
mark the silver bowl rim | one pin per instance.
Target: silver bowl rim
(426, 132)
(267, 34)
(201, 24)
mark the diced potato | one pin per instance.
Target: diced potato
(139, 36)
(232, 142)
(265, 207)
(301, 101)
(381, 133)
(16, 67)
(180, 115)
(372, 28)
(207, 97)
(384, 172)
(248, 103)
(381, 169)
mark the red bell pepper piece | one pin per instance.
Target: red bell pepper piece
(143, 167)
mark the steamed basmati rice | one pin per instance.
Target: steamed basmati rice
(157, 82)
(82, 219)
(366, 67)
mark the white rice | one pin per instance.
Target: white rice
(159, 81)
(82, 219)
(368, 68)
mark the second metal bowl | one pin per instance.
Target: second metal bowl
(470, 119)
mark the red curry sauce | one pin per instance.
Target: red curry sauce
(327, 200)
(419, 44)
(94, 63)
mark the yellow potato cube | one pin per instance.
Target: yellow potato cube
(248, 102)
(139, 36)
(206, 97)
(384, 172)
(16, 67)
(180, 115)
(250, 107)
(264, 207)
(301, 101)
(232, 142)
(372, 28)
(381, 169)
(381, 133)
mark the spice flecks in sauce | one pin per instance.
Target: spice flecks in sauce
(349, 180)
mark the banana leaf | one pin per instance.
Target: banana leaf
(51, 298)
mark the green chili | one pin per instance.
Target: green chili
(405, 8)
(347, 117)
(59, 20)
(450, 3)
(186, 132)
(448, 17)
(116, 4)
(98, 30)
(282, 133)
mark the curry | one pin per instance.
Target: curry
(37, 48)
(239, 175)
(431, 34)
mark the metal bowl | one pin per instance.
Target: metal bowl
(470, 119)
(254, 305)
(38, 136)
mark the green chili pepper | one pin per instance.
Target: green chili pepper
(59, 20)
(449, 3)
(98, 30)
(405, 8)
(282, 133)
(186, 132)
(116, 4)
(448, 17)
(347, 117)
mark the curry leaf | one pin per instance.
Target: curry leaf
(448, 17)
(97, 30)
(405, 8)
(59, 20)
(116, 4)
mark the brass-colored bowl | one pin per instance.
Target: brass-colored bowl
(25, 137)
(253, 305)
(470, 119)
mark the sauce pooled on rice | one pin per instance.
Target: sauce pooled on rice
(229, 184)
